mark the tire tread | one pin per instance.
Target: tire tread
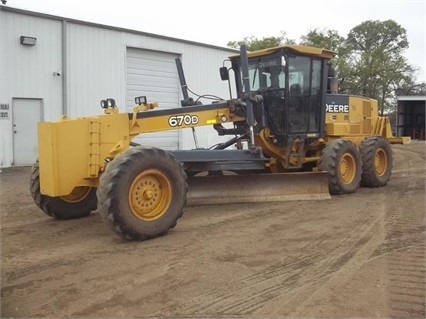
(108, 195)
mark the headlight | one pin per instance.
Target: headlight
(108, 103)
(140, 100)
(111, 102)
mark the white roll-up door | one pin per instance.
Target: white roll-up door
(153, 74)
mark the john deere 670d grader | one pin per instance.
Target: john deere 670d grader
(291, 137)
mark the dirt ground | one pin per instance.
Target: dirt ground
(360, 255)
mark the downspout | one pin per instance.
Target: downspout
(64, 69)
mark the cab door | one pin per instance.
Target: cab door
(305, 102)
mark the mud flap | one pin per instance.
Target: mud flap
(227, 189)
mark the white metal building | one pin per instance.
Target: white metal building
(51, 66)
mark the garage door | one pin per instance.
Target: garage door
(153, 74)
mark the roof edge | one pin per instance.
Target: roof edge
(411, 97)
(303, 49)
(104, 26)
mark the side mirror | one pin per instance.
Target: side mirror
(224, 74)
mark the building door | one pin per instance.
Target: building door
(153, 74)
(26, 113)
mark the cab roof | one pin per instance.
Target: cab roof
(303, 49)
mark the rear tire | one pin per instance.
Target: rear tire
(342, 161)
(142, 193)
(376, 155)
(78, 204)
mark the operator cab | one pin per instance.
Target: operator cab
(293, 83)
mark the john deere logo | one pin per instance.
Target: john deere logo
(337, 108)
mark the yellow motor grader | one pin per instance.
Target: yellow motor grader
(291, 137)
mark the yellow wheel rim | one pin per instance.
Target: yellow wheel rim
(77, 195)
(380, 162)
(150, 195)
(347, 168)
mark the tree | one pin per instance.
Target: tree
(326, 38)
(254, 43)
(387, 36)
(411, 88)
(377, 66)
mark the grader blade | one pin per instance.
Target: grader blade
(227, 189)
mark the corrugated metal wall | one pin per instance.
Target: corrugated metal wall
(94, 69)
(27, 71)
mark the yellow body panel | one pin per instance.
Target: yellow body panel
(71, 152)
(162, 122)
(360, 120)
(74, 152)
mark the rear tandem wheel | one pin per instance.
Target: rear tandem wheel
(142, 193)
(341, 159)
(376, 154)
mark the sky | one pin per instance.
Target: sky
(219, 21)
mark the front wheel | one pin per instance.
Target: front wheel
(376, 155)
(142, 193)
(79, 203)
(342, 161)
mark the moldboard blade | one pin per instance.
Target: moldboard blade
(273, 187)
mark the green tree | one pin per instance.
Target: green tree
(253, 43)
(376, 64)
(411, 88)
(326, 38)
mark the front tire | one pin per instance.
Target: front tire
(342, 161)
(142, 193)
(376, 155)
(79, 203)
